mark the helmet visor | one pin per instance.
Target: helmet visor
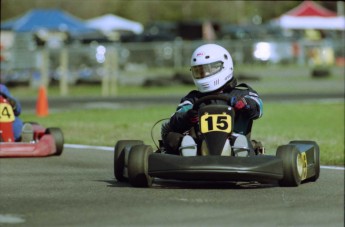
(202, 71)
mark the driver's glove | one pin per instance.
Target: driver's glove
(192, 116)
(239, 103)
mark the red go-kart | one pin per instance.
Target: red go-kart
(45, 142)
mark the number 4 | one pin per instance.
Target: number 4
(5, 112)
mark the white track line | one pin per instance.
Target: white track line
(333, 167)
(104, 148)
(79, 146)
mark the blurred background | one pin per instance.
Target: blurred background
(71, 42)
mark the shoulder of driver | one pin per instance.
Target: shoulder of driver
(245, 88)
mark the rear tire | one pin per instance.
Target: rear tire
(292, 165)
(138, 161)
(59, 139)
(120, 157)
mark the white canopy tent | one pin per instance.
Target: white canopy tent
(309, 15)
(109, 23)
(291, 22)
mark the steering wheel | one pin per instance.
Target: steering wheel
(209, 98)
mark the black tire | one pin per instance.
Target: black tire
(138, 166)
(316, 158)
(119, 156)
(32, 122)
(59, 139)
(320, 73)
(292, 166)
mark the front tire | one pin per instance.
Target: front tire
(59, 139)
(293, 165)
(120, 157)
(138, 166)
(316, 158)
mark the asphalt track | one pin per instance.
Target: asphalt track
(78, 189)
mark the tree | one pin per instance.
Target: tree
(145, 11)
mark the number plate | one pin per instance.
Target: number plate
(215, 123)
(6, 113)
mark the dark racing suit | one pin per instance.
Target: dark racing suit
(179, 123)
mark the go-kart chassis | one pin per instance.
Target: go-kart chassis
(44, 147)
(44, 144)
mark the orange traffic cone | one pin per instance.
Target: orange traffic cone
(42, 102)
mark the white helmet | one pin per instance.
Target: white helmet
(211, 67)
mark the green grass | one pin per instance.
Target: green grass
(282, 122)
(321, 122)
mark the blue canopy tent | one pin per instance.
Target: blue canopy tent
(48, 27)
(48, 19)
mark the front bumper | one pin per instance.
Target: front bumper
(215, 168)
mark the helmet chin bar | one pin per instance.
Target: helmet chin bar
(212, 84)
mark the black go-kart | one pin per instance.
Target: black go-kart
(218, 155)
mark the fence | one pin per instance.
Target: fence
(96, 62)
